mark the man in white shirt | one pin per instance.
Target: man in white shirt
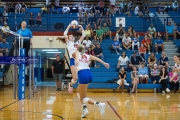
(18, 8)
(126, 42)
(137, 12)
(175, 6)
(66, 10)
(87, 42)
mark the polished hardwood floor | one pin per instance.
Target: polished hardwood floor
(49, 104)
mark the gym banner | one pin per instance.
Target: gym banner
(120, 20)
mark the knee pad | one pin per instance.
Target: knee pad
(85, 100)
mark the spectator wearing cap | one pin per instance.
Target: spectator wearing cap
(5, 34)
(116, 45)
(163, 61)
(87, 42)
(126, 41)
(152, 30)
(170, 31)
(135, 60)
(159, 44)
(175, 6)
(146, 43)
(155, 74)
(143, 73)
(4, 47)
(120, 32)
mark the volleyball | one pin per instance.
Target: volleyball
(74, 24)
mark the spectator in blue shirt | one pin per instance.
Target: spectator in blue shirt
(143, 73)
(163, 61)
(170, 31)
(159, 44)
(25, 32)
(116, 45)
(4, 47)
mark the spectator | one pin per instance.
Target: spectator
(167, 8)
(5, 16)
(52, 10)
(90, 52)
(86, 9)
(107, 19)
(135, 41)
(146, 43)
(122, 79)
(5, 34)
(143, 74)
(130, 6)
(80, 17)
(57, 71)
(87, 42)
(4, 47)
(88, 32)
(170, 31)
(163, 80)
(96, 16)
(43, 9)
(151, 60)
(126, 42)
(163, 61)
(39, 19)
(142, 51)
(56, 6)
(24, 7)
(12, 8)
(137, 11)
(99, 34)
(48, 4)
(123, 61)
(98, 51)
(178, 31)
(122, 7)
(160, 9)
(101, 6)
(31, 19)
(112, 6)
(120, 32)
(135, 79)
(101, 18)
(175, 6)
(86, 18)
(131, 31)
(6, 7)
(152, 30)
(159, 44)
(174, 79)
(116, 46)
(18, 7)
(155, 74)
(135, 60)
(66, 10)
(177, 62)
(91, 17)
(85, 47)
(106, 31)
(81, 7)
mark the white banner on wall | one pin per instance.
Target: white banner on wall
(120, 20)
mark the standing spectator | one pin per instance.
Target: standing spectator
(56, 6)
(135, 79)
(120, 32)
(143, 74)
(5, 16)
(174, 79)
(151, 60)
(155, 74)
(87, 42)
(39, 19)
(91, 17)
(112, 6)
(116, 46)
(135, 60)
(131, 31)
(57, 71)
(126, 42)
(122, 79)
(159, 44)
(142, 51)
(163, 61)
(90, 52)
(4, 47)
(135, 41)
(146, 43)
(175, 6)
(163, 80)
(24, 8)
(98, 52)
(137, 11)
(101, 5)
(66, 10)
(31, 19)
(123, 61)
(106, 31)
(5, 34)
(170, 31)
(18, 7)
(99, 34)
(152, 30)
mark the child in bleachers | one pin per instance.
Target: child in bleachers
(142, 51)
(155, 74)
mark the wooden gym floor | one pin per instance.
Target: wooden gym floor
(49, 104)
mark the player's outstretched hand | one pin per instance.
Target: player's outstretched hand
(107, 65)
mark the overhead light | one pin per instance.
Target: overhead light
(50, 50)
(53, 52)
(52, 58)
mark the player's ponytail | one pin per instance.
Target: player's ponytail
(81, 49)
(61, 39)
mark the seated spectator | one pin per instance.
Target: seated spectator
(98, 51)
(112, 6)
(120, 32)
(81, 7)
(86, 48)
(24, 7)
(163, 80)
(170, 31)
(107, 19)
(178, 31)
(106, 31)
(146, 43)
(155, 74)
(93, 31)
(135, 60)
(91, 17)
(44, 9)
(80, 17)
(152, 30)
(174, 79)
(167, 8)
(99, 34)
(53, 11)
(101, 17)
(90, 52)
(135, 79)
(135, 41)
(5, 16)
(123, 9)
(96, 16)
(175, 6)
(31, 19)
(48, 3)
(123, 61)
(126, 42)
(86, 9)
(116, 46)
(18, 8)
(142, 51)
(39, 19)
(122, 79)
(137, 11)
(87, 42)
(160, 9)
(4, 47)
(5, 34)
(143, 74)
(86, 18)
(56, 5)
(88, 32)
(130, 6)
(6, 7)
(66, 10)
(159, 44)
(12, 8)
(77, 33)
(163, 61)
(131, 31)
(151, 60)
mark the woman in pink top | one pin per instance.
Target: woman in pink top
(173, 75)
